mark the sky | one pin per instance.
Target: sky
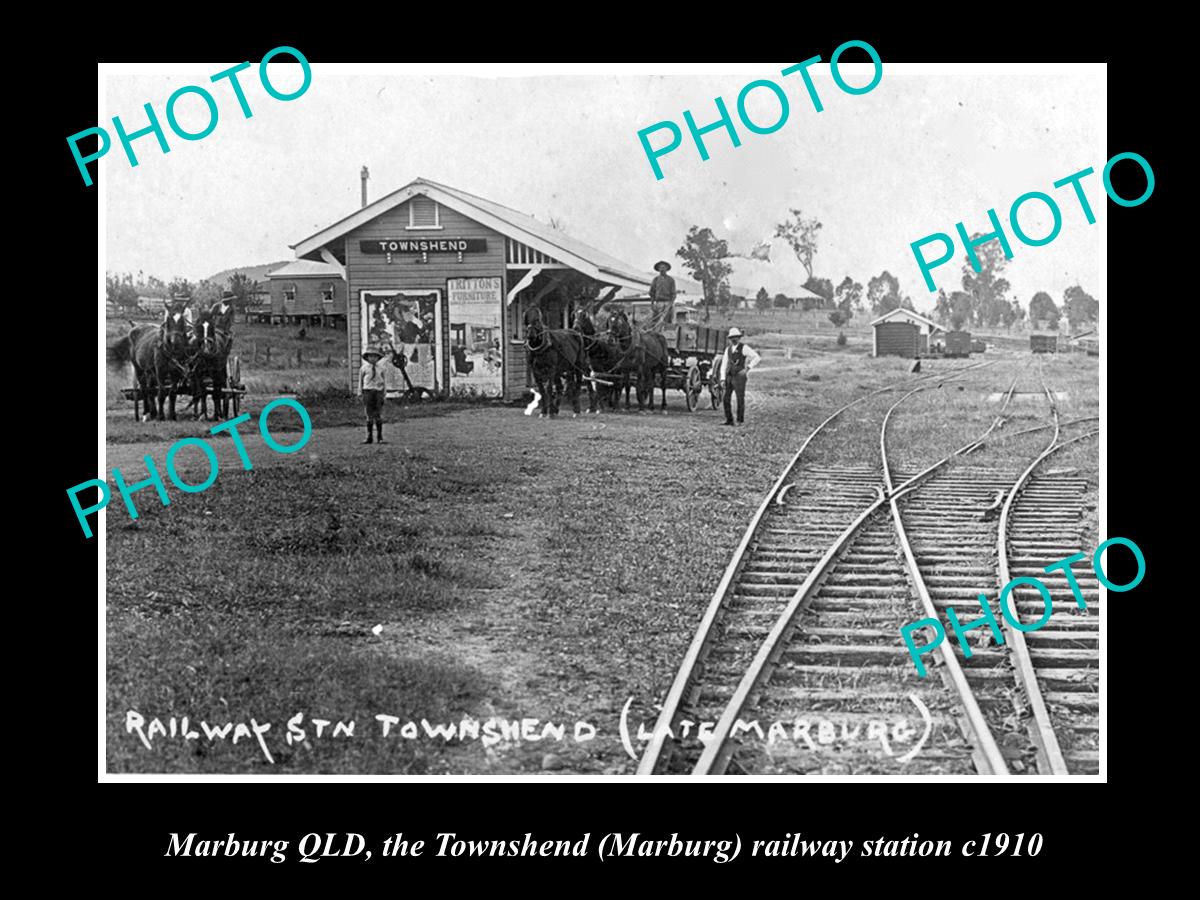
(930, 146)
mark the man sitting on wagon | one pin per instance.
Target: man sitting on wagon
(662, 291)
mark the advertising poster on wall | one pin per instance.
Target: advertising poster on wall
(476, 360)
(408, 323)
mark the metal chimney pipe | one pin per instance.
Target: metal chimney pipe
(365, 176)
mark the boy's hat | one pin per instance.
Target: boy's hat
(662, 265)
(735, 332)
(372, 351)
(228, 295)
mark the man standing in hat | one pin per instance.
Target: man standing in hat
(736, 363)
(373, 386)
(223, 312)
(662, 289)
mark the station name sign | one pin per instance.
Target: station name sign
(425, 245)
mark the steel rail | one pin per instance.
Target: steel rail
(718, 751)
(989, 760)
(652, 755)
(1050, 757)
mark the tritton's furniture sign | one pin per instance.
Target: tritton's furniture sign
(425, 245)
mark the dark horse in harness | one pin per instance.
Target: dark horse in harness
(606, 358)
(555, 354)
(213, 344)
(160, 359)
(644, 354)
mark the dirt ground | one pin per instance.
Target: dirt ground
(482, 564)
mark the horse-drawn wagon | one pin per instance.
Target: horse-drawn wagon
(228, 396)
(616, 355)
(694, 362)
(172, 359)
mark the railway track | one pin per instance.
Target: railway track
(798, 660)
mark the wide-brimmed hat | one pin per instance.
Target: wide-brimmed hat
(735, 332)
(662, 265)
(372, 351)
(228, 295)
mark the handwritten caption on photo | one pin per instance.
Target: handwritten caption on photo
(897, 735)
(314, 847)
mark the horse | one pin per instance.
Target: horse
(158, 356)
(553, 354)
(213, 345)
(644, 353)
(604, 355)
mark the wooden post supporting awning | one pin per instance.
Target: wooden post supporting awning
(525, 282)
(329, 258)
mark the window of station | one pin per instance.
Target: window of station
(424, 213)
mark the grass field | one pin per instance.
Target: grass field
(480, 564)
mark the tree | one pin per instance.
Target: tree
(724, 298)
(782, 301)
(244, 290)
(1042, 307)
(180, 286)
(883, 293)
(987, 288)
(1018, 312)
(704, 255)
(823, 288)
(762, 299)
(849, 297)
(1080, 307)
(205, 294)
(839, 317)
(119, 291)
(801, 235)
(961, 306)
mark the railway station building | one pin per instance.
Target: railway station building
(446, 277)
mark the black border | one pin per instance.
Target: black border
(123, 829)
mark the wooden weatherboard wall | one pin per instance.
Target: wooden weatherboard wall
(371, 271)
(896, 339)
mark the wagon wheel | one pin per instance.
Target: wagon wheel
(715, 393)
(691, 388)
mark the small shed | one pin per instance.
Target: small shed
(307, 290)
(897, 339)
(892, 341)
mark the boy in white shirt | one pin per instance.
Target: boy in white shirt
(374, 385)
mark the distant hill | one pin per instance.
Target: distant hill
(254, 273)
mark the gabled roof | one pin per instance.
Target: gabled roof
(901, 312)
(517, 225)
(300, 268)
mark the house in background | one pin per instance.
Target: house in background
(309, 291)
